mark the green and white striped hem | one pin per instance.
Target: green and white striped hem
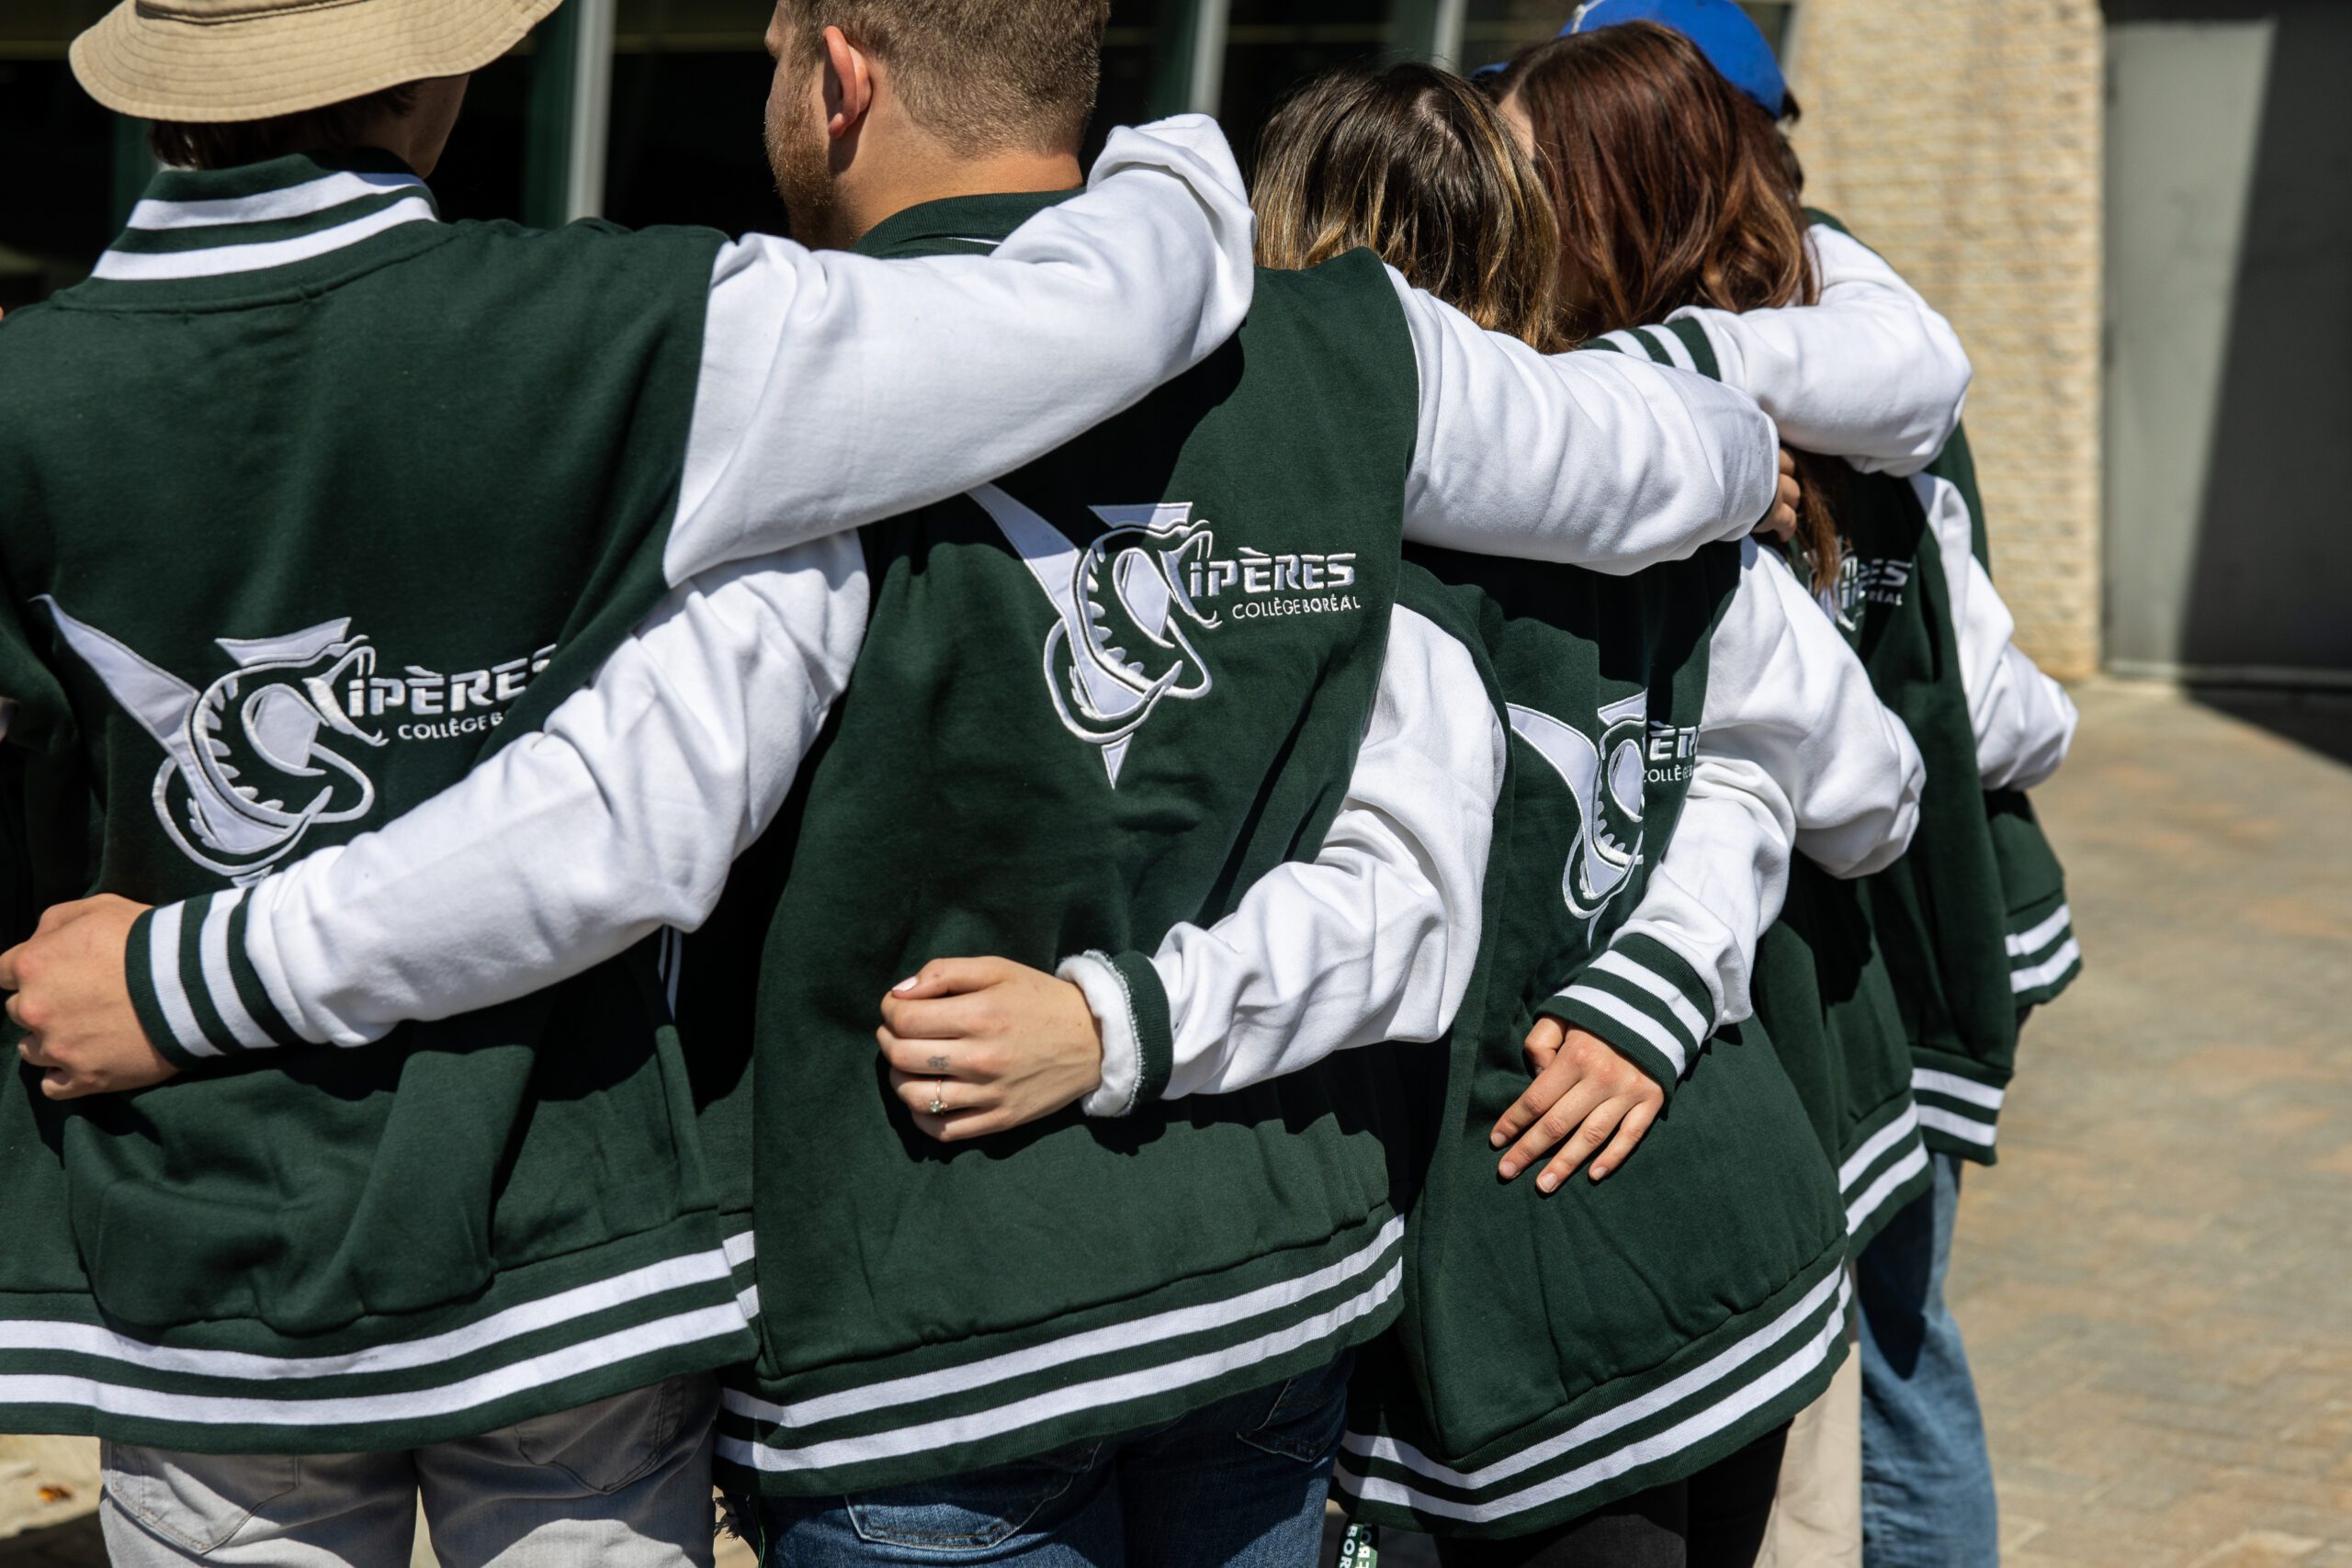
(1884, 1169)
(196, 991)
(2045, 957)
(540, 1340)
(1750, 1376)
(1959, 1113)
(1646, 1001)
(1683, 343)
(988, 1401)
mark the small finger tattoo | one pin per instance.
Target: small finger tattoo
(939, 1064)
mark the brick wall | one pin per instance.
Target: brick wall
(1962, 139)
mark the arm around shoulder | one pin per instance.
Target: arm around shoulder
(561, 850)
(1372, 941)
(1871, 373)
(836, 389)
(1600, 460)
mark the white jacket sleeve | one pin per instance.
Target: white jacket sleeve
(1604, 461)
(838, 388)
(1795, 752)
(621, 816)
(2023, 720)
(1372, 941)
(1796, 700)
(1872, 373)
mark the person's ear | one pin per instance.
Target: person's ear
(849, 84)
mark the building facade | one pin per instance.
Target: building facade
(1965, 142)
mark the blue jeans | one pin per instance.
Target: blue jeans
(1239, 1483)
(1927, 1476)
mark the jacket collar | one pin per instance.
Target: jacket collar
(956, 223)
(262, 219)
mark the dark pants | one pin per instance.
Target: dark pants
(1239, 1483)
(1713, 1519)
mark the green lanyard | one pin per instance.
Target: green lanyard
(1360, 1548)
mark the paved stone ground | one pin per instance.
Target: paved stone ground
(2156, 1280)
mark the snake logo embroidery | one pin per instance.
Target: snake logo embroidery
(1605, 776)
(268, 750)
(247, 767)
(1119, 646)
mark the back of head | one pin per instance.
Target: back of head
(1417, 165)
(983, 77)
(225, 144)
(1672, 186)
(231, 82)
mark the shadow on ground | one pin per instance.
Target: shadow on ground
(76, 1544)
(2317, 721)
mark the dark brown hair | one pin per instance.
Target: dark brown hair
(1417, 165)
(984, 75)
(1672, 189)
(334, 128)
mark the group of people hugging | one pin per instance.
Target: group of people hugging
(1078, 862)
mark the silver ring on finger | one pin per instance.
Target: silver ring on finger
(938, 1088)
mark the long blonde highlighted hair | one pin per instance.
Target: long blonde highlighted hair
(1416, 165)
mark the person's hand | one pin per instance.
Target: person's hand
(70, 995)
(1781, 523)
(978, 1046)
(1582, 1085)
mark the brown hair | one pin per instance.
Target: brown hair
(1672, 189)
(987, 75)
(1417, 165)
(334, 128)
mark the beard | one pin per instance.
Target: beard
(801, 162)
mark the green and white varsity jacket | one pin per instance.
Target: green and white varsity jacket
(1823, 985)
(1828, 1019)
(1679, 733)
(2018, 751)
(1871, 370)
(678, 753)
(1233, 1227)
(399, 487)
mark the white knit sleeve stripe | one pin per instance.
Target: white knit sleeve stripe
(196, 992)
(1645, 999)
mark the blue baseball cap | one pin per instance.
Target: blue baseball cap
(1731, 42)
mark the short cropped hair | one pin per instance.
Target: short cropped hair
(983, 75)
(332, 128)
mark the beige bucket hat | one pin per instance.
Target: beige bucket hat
(201, 62)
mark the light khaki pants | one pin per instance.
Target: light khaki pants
(1817, 1514)
(624, 1483)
